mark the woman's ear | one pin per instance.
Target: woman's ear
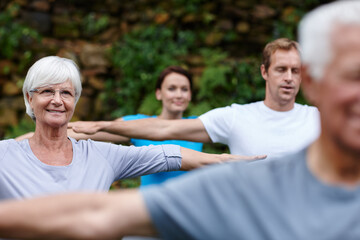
(158, 94)
(29, 98)
(309, 85)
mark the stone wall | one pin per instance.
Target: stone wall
(84, 30)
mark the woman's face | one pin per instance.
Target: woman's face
(53, 105)
(175, 93)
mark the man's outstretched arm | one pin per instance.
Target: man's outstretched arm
(77, 216)
(150, 128)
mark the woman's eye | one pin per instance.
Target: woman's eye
(66, 93)
(47, 91)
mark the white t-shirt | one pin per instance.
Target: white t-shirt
(254, 129)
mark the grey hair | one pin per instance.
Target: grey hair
(51, 70)
(315, 31)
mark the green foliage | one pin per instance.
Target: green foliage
(225, 81)
(126, 183)
(25, 125)
(214, 80)
(93, 23)
(287, 26)
(198, 108)
(138, 59)
(247, 81)
(150, 105)
(25, 60)
(214, 86)
(190, 6)
(12, 33)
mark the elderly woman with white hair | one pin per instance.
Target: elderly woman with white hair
(51, 162)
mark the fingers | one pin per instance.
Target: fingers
(259, 157)
(73, 124)
(80, 127)
(256, 157)
(241, 157)
(86, 128)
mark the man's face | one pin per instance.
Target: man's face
(282, 79)
(338, 92)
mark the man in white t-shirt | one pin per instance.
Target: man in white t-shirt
(274, 126)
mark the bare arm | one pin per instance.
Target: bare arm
(192, 159)
(99, 136)
(150, 128)
(77, 216)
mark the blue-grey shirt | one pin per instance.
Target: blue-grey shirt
(265, 199)
(94, 167)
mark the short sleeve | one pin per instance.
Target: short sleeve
(218, 123)
(131, 161)
(3, 148)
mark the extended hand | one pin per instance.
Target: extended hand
(87, 127)
(229, 157)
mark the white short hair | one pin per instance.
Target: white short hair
(315, 31)
(51, 70)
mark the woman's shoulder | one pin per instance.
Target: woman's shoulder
(190, 117)
(12, 142)
(136, 116)
(91, 148)
(7, 144)
(90, 145)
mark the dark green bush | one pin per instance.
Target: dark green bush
(94, 23)
(13, 35)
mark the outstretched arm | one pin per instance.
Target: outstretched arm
(150, 128)
(77, 216)
(192, 159)
(98, 136)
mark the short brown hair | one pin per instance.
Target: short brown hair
(271, 47)
(171, 69)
